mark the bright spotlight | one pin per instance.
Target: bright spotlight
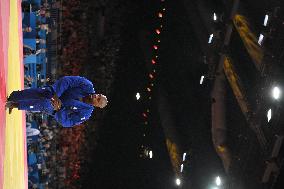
(181, 168)
(260, 39)
(151, 154)
(218, 181)
(137, 96)
(214, 16)
(178, 181)
(210, 38)
(265, 20)
(183, 156)
(201, 80)
(276, 93)
(269, 115)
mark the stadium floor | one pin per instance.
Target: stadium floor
(13, 160)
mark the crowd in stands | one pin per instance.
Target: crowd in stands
(54, 158)
(41, 143)
(93, 55)
(36, 26)
(74, 37)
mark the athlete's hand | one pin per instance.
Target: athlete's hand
(56, 102)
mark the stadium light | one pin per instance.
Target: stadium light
(265, 20)
(260, 39)
(276, 93)
(151, 154)
(178, 181)
(218, 181)
(137, 96)
(181, 168)
(183, 156)
(201, 80)
(210, 38)
(269, 115)
(214, 16)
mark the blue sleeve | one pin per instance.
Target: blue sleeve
(68, 117)
(69, 82)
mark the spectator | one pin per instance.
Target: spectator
(27, 29)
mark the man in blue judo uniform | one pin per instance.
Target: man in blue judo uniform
(70, 100)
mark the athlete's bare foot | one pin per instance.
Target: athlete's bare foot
(10, 105)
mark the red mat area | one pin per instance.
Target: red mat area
(4, 32)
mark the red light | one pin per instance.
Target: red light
(155, 47)
(151, 76)
(144, 115)
(158, 31)
(148, 89)
(153, 61)
(160, 15)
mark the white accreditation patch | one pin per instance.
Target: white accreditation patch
(83, 118)
(31, 106)
(75, 108)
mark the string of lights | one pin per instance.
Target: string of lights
(151, 75)
(151, 78)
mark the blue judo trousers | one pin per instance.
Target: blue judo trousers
(33, 99)
(69, 90)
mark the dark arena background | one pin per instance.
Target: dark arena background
(194, 88)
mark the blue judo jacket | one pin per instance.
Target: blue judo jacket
(70, 89)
